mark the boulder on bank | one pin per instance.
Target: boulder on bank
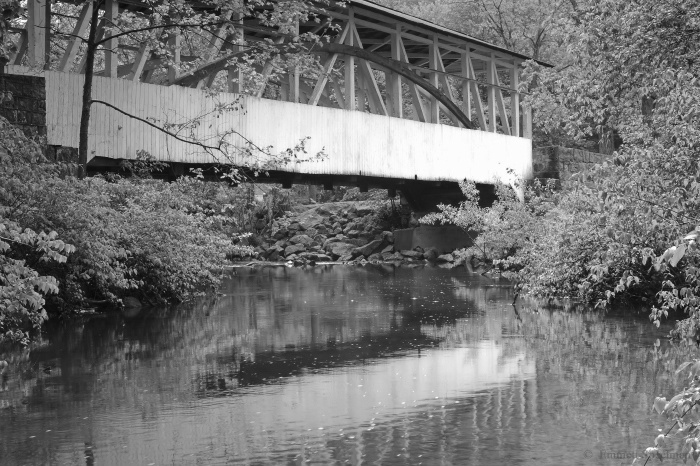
(302, 239)
(431, 254)
(341, 249)
(416, 255)
(370, 248)
(446, 258)
(294, 249)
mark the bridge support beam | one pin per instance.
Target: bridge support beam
(38, 22)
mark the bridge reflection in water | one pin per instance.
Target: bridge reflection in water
(370, 365)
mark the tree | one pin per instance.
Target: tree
(531, 27)
(183, 37)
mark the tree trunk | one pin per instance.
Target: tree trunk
(87, 91)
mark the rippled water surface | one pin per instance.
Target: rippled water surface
(339, 365)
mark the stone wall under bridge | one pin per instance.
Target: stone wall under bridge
(560, 163)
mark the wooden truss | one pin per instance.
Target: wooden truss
(401, 67)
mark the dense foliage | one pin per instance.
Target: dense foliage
(625, 231)
(79, 243)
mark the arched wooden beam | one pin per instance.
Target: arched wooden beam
(394, 66)
(404, 70)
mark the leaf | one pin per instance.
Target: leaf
(660, 441)
(660, 404)
(692, 235)
(678, 255)
(683, 366)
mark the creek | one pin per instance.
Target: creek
(341, 365)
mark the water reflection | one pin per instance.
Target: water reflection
(372, 365)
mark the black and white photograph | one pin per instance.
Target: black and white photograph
(349, 232)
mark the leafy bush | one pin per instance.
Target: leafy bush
(502, 229)
(22, 288)
(139, 237)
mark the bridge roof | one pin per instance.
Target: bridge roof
(375, 7)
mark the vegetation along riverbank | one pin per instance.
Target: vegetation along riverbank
(626, 82)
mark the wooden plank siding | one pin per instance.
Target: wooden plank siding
(357, 143)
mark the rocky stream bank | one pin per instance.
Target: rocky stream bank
(347, 232)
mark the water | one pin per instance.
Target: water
(340, 365)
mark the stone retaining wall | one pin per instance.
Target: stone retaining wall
(24, 103)
(562, 162)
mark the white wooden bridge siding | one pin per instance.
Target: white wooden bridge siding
(356, 143)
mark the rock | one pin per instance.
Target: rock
(294, 249)
(296, 226)
(273, 254)
(419, 249)
(388, 236)
(396, 257)
(308, 256)
(130, 302)
(389, 249)
(345, 258)
(375, 257)
(330, 241)
(446, 258)
(341, 249)
(412, 254)
(370, 248)
(323, 258)
(361, 211)
(337, 226)
(279, 234)
(306, 240)
(356, 241)
(353, 233)
(431, 254)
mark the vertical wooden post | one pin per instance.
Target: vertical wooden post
(38, 22)
(433, 65)
(466, 91)
(527, 123)
(515, 101)
(111, 57)
(395, 87)
(350, 66)
(294, 93)
(174, 42)
(234, 76)
(491, 80)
